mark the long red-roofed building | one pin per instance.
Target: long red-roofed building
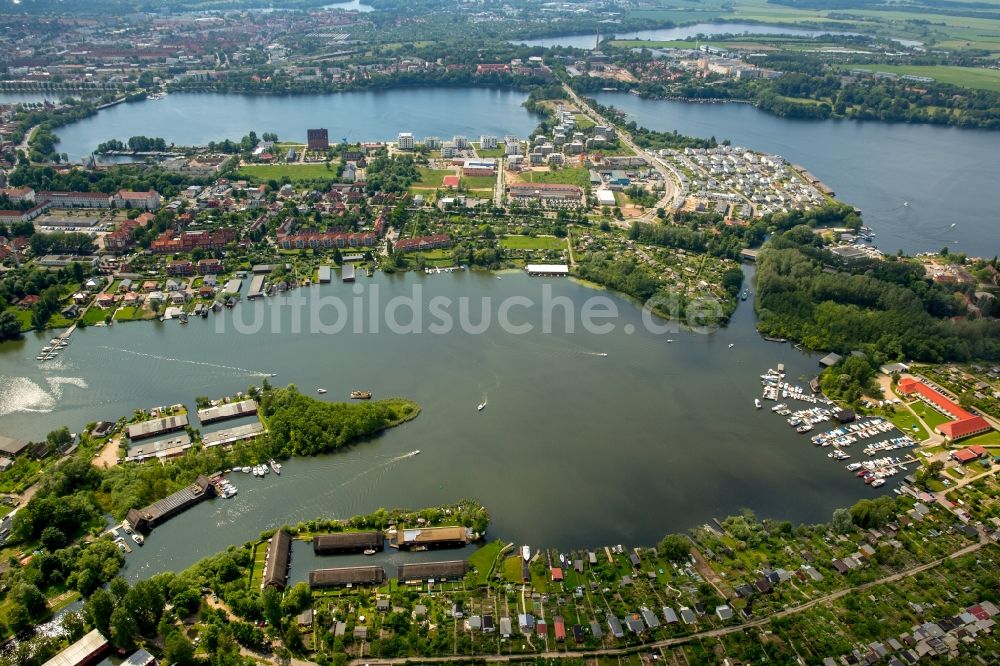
(964, 424)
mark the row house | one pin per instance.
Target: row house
(180, 268)
(75, 199)
(209, 267)
(330, 239)
(189, 240)
(423, 243)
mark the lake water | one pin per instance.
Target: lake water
(196, 119)
(587, 41)
(946, 175)
(353, 6)
(586, 439)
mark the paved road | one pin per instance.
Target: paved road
(670, 184)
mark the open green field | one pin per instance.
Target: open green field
(295, 172)
(478, 182)
(95, 314)
(583, 122)
(489, 152)
(533, 243)
(931, 416)
(965, 77)
(129, 314)
(432, 178)
(991, 439)
(483, 560)
(903, 420)
(568, 176)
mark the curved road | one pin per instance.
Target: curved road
(671, 186)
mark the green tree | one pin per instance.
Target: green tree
(178, 650)
(675, 547)
(10, 326)
(842, 521)
(124, 628)
(270, 602)
(99, 608)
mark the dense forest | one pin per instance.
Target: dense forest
(136, 177)
(305, 426)
(888, 309)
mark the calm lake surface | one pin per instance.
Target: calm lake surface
(947, 175)
(197, 118)
(586, 438)
(588, 40)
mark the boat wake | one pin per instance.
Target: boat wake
(247, 371)
(20, 394)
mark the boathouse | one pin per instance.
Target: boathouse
(432, 571)
(144, 520)
(155, 427)
(422, 538)
(279, 552)
(230, 435)
(90, 649)
(160, 449)
(347, 542)
(232, 410)
(346, 576)
(547, 270)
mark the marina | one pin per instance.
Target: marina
(874, 472)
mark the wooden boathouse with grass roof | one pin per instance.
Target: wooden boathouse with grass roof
(433, 571)
(346, 576)
(279, 552)
(348, 542)
(145, 519)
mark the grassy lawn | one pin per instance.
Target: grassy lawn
(489, 152)
(991, 438)
(478, 182)
(569, 176)
(965, 77)
(440, 257)
(532, 242)
(931, 417)
(295, 172)
(23, 316)
(432, 178)
(129, 314)
(483, 560)
(583, 122)
(95, 315)
(903, 420)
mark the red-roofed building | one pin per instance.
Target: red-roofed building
(144, 200)
(422, 243)
(557, 574)
(560, 627)
(488, 68)
(969, 454)
(963, 424)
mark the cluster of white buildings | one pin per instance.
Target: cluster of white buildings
(756, 183)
